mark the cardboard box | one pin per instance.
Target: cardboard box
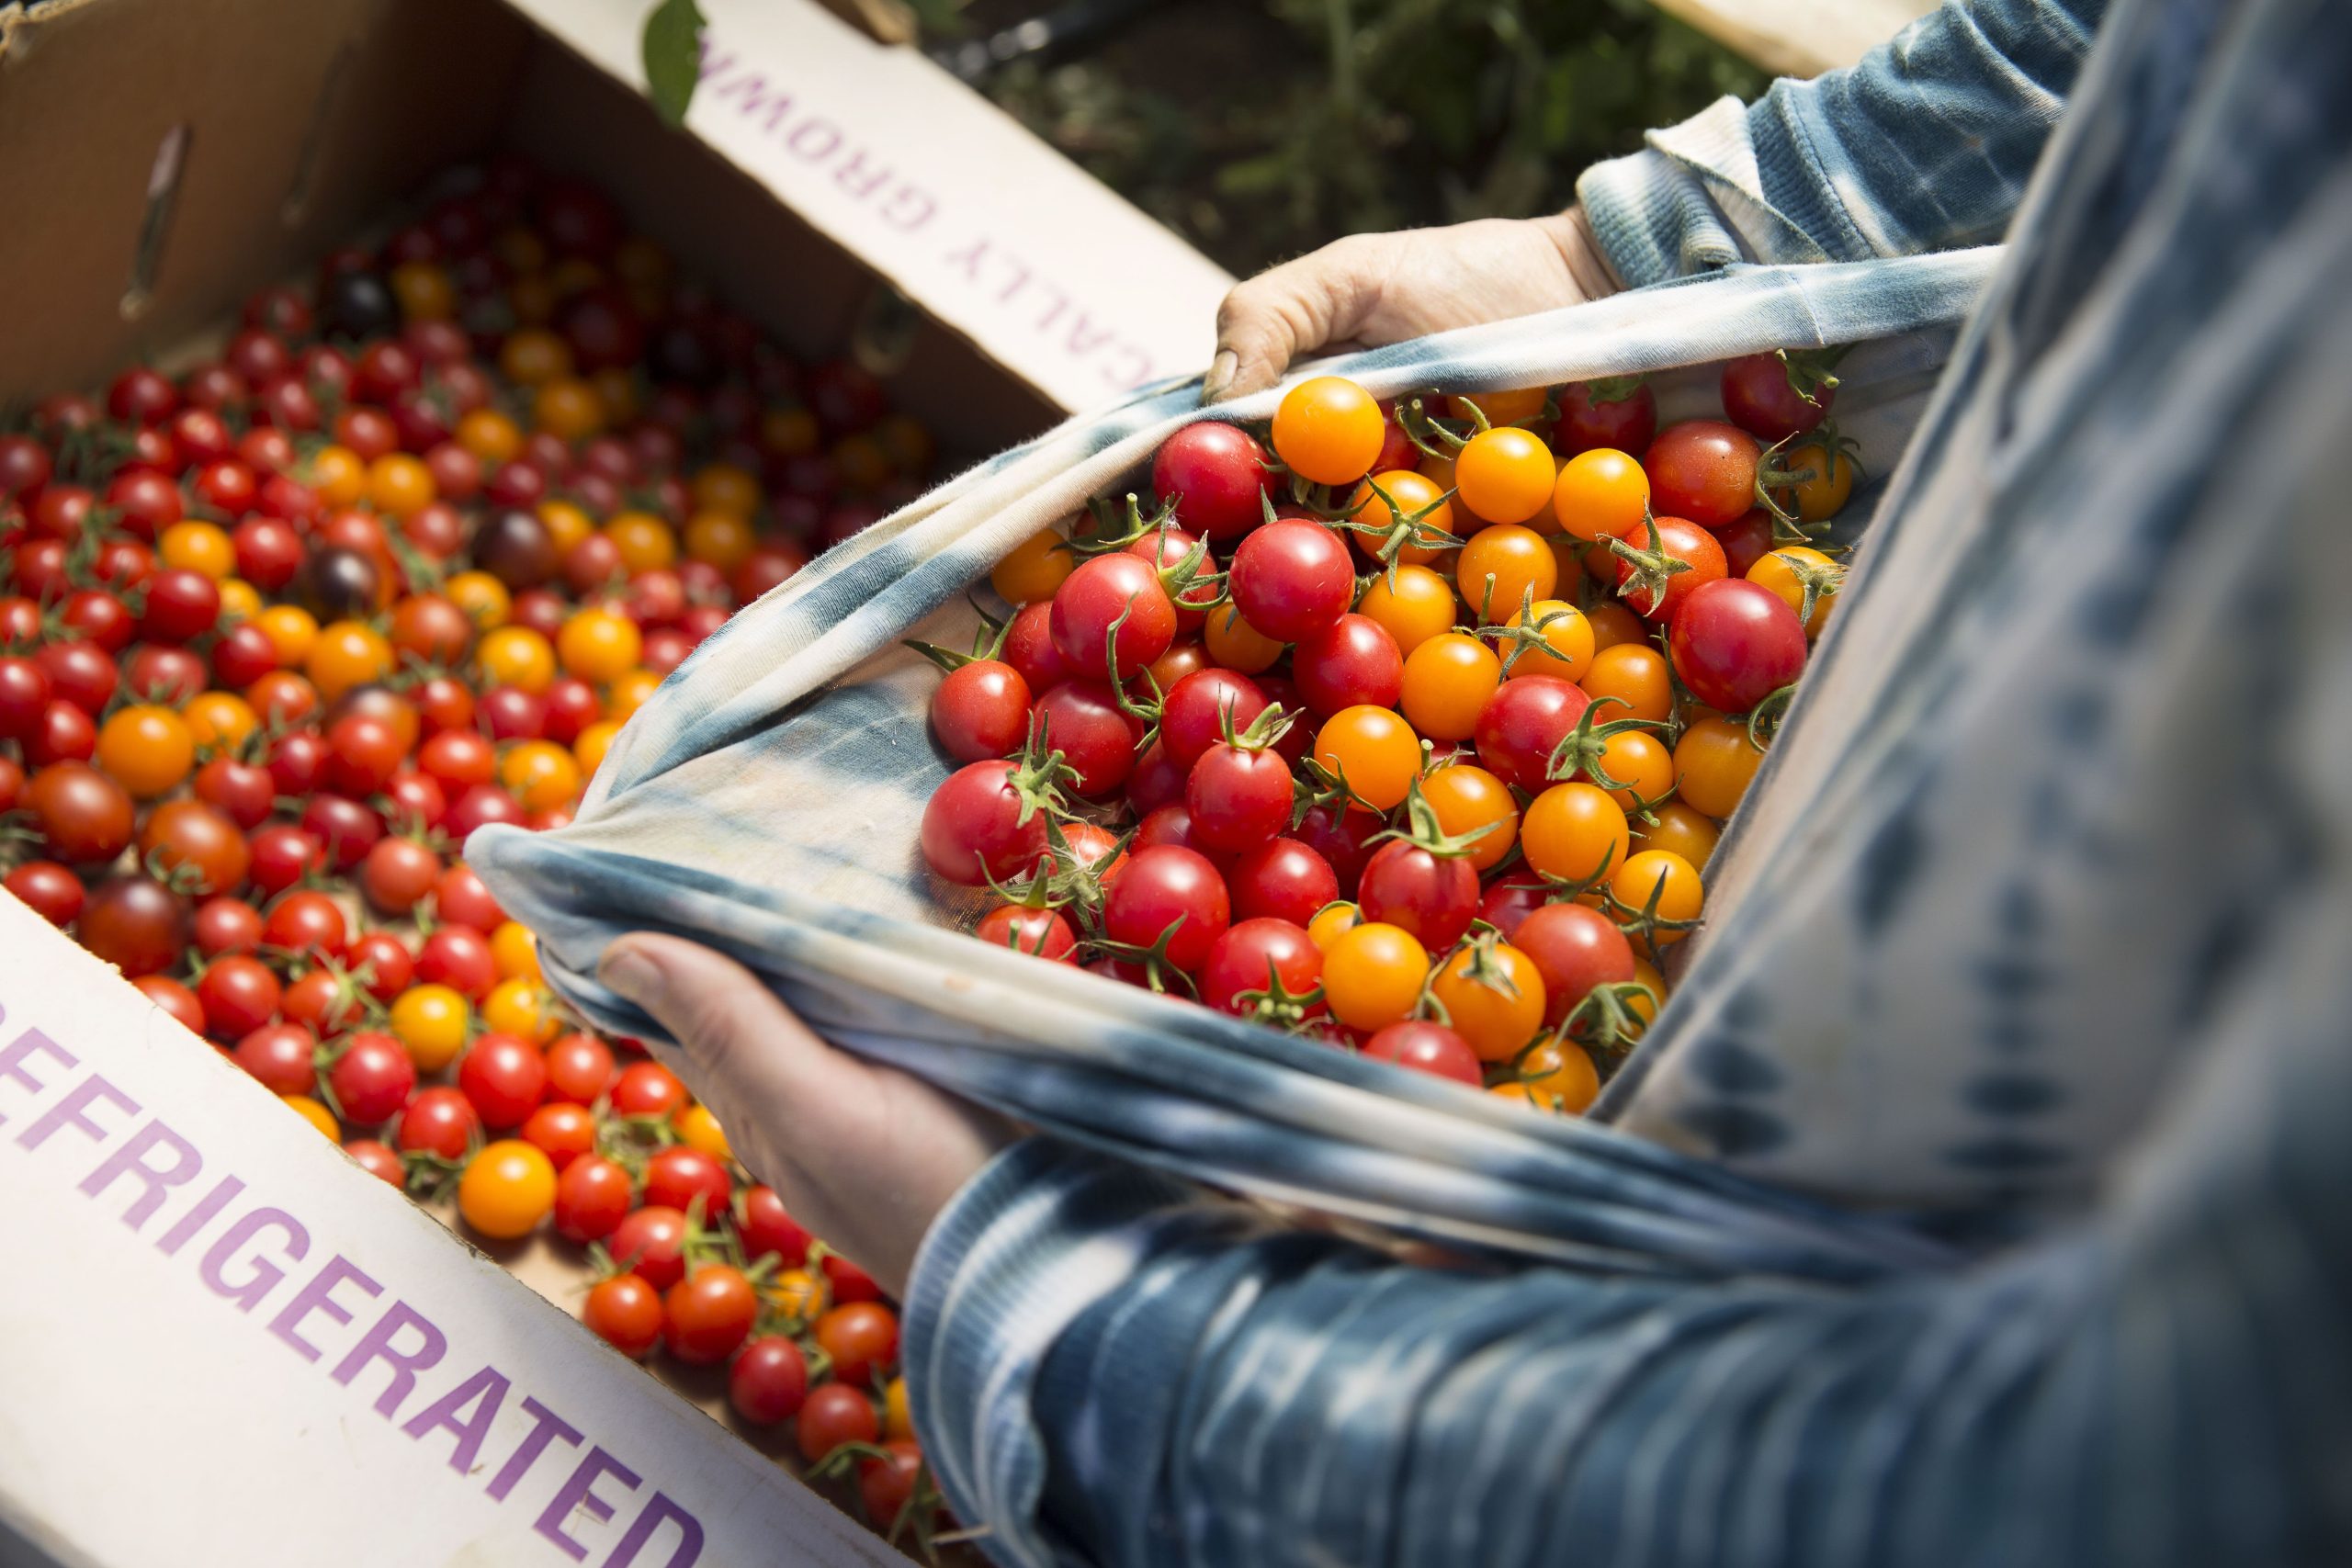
(226, 1344)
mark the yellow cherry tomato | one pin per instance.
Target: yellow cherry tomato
(1398, 495)
(315, 1113)
(198, 546)
(291, 632)
(516, 656)
(1573, 832)
(1513, 407)
(568, 406)
(1372, 976)
(240, 601)
(534, 355)
(1493, 997)
(1564, 650)
(1035, 567)
(589, 747)
(1825, 485)
(1448, 682)
(1641, 764)
(1600, 494)
(1328, 430)
(1234, 643)
(567, 524)
(723, 540)
(1635, 674)
(1504, 475)
(1374, 749)
(490, 436)
(1417, 606)
(597, 645)
(1470, 800)
(338, 477)
(515, 951)
(400, 485)
(631, 693)
(1673, 881)
(797, 1293)
(1501, 569)
(524, 1008)
(540, 774)
(698, 1129)
(483, 597)
(348, 654)
(507, 1189)
(645, 542)
(723, 487)
(1682, 827)
(1563, 1069)
(219, 721)
(1713, 766)
(1786, 572)
(431, 1023)
(897, 1417)
(1331, 922)
(147, 750)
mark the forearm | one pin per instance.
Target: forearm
(1924, 145)
(1112, 1368)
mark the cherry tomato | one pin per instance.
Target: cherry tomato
(1735, 642)
(683, 1178)
(1239, 798)
(1234, 643)
(1034, 569)
(1573, 948)
(978, 826)
(652, 1241)
(1713, 764)
(592, 1196)
(1082, 720)
(1702, 469)
(1762, 396)
(279, 1057)
(768, 1381)
(625, 1313)
(1471, 801)
(52, 891)
(504, 1076)
(1353, 661)
(980, 711)
(1447, 684)
(1374, 751)
(1494, 995)
(1043, 933)
(1682, 828)
(1328, 430)
(1121, 590)
(372, 1077)
(188, 833)
(1504, 475)
(1372, 976)
(462, 898)
(1522, 725)
(835, 1414)
(1573, 832)
(379, 1160)
(580, 1069)
(648, 1089)
(1429, 1048)
(1405, 511)
(1199, 709)
(1254, 958)
(1434, 897)
(862, 1338)
(1281, 879)
(768, 1231)
(1171, 892)
(1292, 578)
(1786, 570)
(706, 1315)
(1667, 876)
(430, 1020)
(1412, 604)
(1216, 476)
(1700, 558)
(1635, 674)
(226, 926)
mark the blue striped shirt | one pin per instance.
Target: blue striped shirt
(2036, 941)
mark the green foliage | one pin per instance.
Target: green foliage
(1263, 130)
(673, 48)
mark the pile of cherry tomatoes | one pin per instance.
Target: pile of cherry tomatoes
(1408, 728)
(278, 632)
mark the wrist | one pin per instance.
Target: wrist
(1587, 264)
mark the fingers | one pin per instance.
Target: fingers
(1293, 309)
(746, 1046)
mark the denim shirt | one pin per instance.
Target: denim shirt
(2044, 943)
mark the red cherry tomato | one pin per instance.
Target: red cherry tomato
(1735, 642)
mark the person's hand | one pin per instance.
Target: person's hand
(863, 1155)
(1370, 290)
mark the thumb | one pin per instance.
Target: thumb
(737, 1039)
(1293, 310)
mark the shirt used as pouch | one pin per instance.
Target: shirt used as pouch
(2041, 934)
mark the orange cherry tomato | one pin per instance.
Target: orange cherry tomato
(1331, 922)
(348, 654)
(483, 597)
(1469, 799)
(1501, 567)
(199, 546)
(1493, 997)
(1504, 475)
(1234, 643)
(1641, 763)
(1563, 1069)
(724, 539)
(399, 484)
(568, 407)
(644, 541)
(598, 645)
(723, 487)
(1667, 878)
(1600, 494)
(1637, 674)
(1574, 831)
(1372, 976)
(1713, 766)
(146, 750)
(1565, 651)
(507, 1189)
(1374, 749)
(490, 436)
(1448, 682)
(1513, 407)
(1419, 606)
(1328, 430)
(1035, 567)
(1682, 828)
(534, 355)
(540, 774)
(1785, 572)
(1416, 497)
(1614, 624)
(516, 656)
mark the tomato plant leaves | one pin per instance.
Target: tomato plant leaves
(672, 58)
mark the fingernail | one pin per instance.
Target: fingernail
(626, 969)
(1220, 375)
